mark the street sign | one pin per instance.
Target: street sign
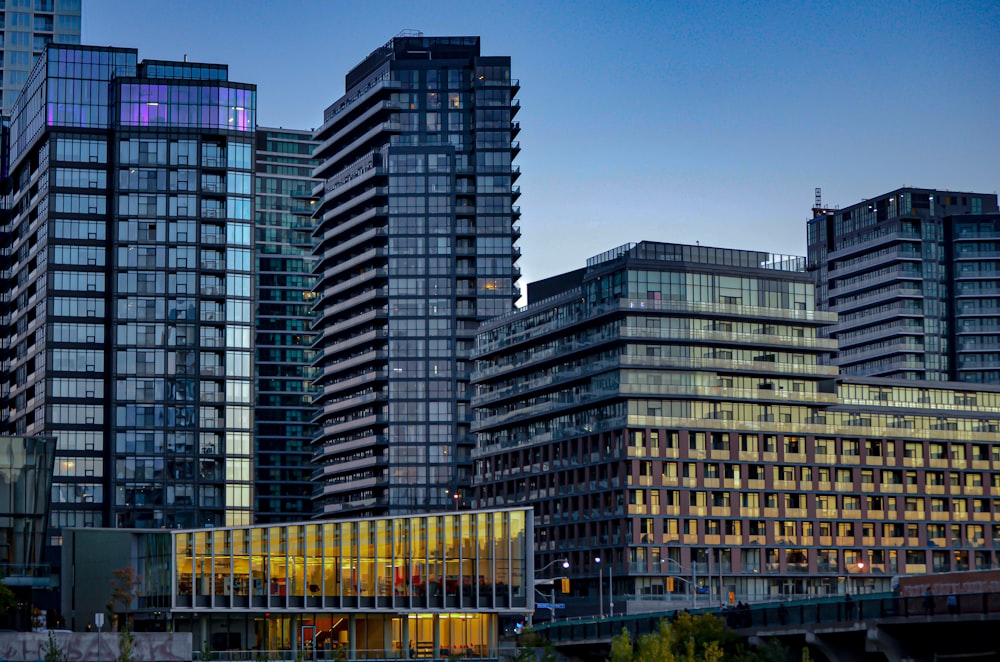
(550, 605)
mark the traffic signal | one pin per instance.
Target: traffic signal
(564, 585)
(670, 584)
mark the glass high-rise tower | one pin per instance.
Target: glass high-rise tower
(128, 313)
(285, 297)
(913, 277)
(415, 237)
(26, 28)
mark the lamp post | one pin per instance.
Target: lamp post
(690, 583)
(611, 588)
(456, 497)
(552, 586)
(600, 584)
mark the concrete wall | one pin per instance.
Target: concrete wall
(92, 647)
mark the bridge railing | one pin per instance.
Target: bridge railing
(816, 611)
(831, 610)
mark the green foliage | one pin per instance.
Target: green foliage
(524, 654)
(713, 652)
(126, 646)
(701, 630)
(7, 598)
(621, 647)
(529, 644)
(532, 639)
(655, 646)
(806, 657)
(53, 653)
(701, 638)
(206, 652)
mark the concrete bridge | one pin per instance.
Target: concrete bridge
(880, 627)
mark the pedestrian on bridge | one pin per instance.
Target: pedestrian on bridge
(928, 602)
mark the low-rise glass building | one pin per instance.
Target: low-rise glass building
(422, 586)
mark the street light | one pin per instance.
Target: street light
(691, 583)
(456, 496)
(564, 563)
(611, 588)
(600, 584)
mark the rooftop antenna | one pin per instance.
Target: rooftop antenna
(818, 203)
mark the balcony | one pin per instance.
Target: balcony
(351, 263)
(873, 260)
(866, 246)
(854, 303)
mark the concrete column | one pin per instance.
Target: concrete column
(405, 643)
(204, 631)
(830, 650)
(293, 622)
(493, 643)
(878, 640)
(436, 626)
(352, 637)
(387, 648)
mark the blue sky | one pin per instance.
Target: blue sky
(666, 121)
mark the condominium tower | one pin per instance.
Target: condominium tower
(26, 28)
(128, 315)
(415, 233)
(665, 414)
(285, 296)
(914, 276)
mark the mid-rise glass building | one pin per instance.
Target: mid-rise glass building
(128, 318)
(26, 28)
(415, 240)
(285, 297)
(665, 413)
(914, 285)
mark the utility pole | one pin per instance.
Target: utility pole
(600, 584)
(611, 590)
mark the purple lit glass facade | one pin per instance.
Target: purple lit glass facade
(187, 106)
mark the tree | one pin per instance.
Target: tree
(621, 647)
(126, 646)
(655, 646)
(52, 651)
(770, 651)
(7, 598)
(702, 638)
(701, 629)
(125, 588)
(529, 643)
